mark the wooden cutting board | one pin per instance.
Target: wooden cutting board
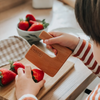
(8, 92)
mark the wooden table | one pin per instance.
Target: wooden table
(71, 85)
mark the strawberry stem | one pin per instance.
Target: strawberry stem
(11, 65)
(21, 19)
(45, 25)
(27, 19)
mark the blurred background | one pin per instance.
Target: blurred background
(7, 4)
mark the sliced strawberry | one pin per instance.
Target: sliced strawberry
(36, 27)
(44, 24)
(37, 75)
(32, 22)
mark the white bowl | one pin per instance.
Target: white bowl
(30, 36)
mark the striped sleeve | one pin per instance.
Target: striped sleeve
(95, 94)
(84, 52)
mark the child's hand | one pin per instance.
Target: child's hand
(25, 84)
(63, 39)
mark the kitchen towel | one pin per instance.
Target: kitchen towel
(13, 48)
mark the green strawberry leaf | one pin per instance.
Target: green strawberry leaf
(45, 25)
(11, 65)
(21, 19)
(27, 19)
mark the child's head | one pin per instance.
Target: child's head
(88, 16)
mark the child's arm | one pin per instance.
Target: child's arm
(84, 52)
(25, 87)
(80, 47)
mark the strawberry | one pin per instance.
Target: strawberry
(37, 75)
(32, 22)
(30, 17)
(6, 76)
(15, 65)
(23, 25)
(37, 25)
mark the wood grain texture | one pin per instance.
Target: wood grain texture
(8, 91)
(69, 2)
(50, 65)
(7, 4)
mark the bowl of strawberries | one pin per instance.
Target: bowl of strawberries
(30, 28)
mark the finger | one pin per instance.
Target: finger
(20, 72)
(43, 41)
(28, 71)
(41, 83)
(53, 40)
(16, 78)
(55, 34)
(49, 47)
(55, 51)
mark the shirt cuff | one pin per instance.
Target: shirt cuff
(78, 46)
(27, 95)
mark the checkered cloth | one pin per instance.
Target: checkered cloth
(14, 48)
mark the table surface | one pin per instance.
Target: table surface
(61, 15)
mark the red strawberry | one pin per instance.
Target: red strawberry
(36, 26)
(32, 22)
(23, 25)
(6, 76)
(15, 65)
(30, 17)
(37, 75)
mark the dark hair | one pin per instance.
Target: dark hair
(88, 16)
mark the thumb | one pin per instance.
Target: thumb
(41, 83)
(53, 40)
